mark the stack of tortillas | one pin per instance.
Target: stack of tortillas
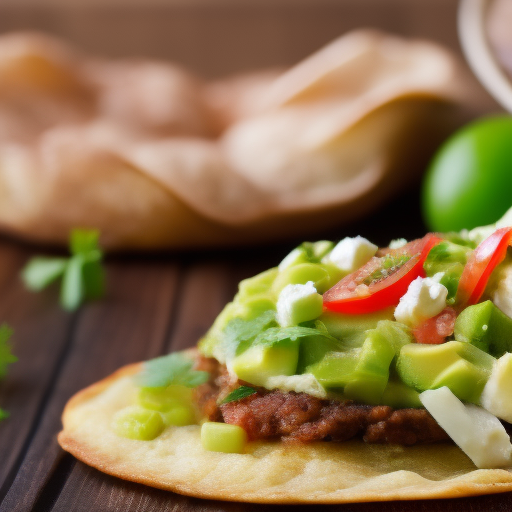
(155, 158)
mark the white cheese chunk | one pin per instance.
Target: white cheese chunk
(478, 433)
(397, 243)
(425, 298)
(305, 383)
(298, 303)
(496, 394)
(351, 253)
(502, 294)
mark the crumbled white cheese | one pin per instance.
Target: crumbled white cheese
(502, 294)
(478, 433)
(298, 303)
(397, 243)
(496, 393)
(290, 259)
(305, 383)
(351, 253)
(425, 298)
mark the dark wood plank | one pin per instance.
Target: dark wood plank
(206, 287)
(129, 325)
(40, 335)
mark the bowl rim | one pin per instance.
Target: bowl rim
(475, 44)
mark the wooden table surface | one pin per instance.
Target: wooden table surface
(154, 304)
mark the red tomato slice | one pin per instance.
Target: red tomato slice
(435, 330)
(484, 259)
(377, 285)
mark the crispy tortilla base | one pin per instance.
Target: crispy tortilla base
(269, 472)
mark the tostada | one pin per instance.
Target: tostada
(347, 373)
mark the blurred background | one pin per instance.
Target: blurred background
(214, 39)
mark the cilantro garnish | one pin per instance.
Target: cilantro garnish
(239, 333)
(6, 357)
(239, 394)
(170, 369)
(82, 273)
(274, 335)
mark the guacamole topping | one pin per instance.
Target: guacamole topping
(286, 342)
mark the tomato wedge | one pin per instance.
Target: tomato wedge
(382, 281)
(484, 259)
(435, 330)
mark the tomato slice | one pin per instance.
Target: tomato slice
(435, 330)
(382, 281)
(484, 259)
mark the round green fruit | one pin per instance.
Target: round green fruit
(469, 182)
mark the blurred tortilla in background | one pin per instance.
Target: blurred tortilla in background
(156, 158)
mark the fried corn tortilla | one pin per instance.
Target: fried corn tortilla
(268, 472)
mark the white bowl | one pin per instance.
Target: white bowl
(480, 47)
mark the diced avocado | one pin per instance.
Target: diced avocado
(462, 367)
(163, 399)
(313, 349)
(223, 437)
(465, 380)
(307, 252)
(351, 329)
(336, 368)
(319, 249)
(485, 326)
(257, 304)
(261, 361)
(301, 274)
(138, 423)
(258, 284)
(399, 396)
(418, 365)
(298, 303)
(395, 333)
(180, 415)
(370, 376)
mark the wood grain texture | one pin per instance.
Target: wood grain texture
(129, 325)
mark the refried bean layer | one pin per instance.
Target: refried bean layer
(302, 418)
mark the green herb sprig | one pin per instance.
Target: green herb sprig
(173, 368)
(239, 394)
(6, 357)
(83, 276)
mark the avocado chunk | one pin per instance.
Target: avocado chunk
(460, 366)
(371, 374)
(485, 326)
(223, 437)
(261, 361)
(335, 369)
(363, 373)
(351, 329)
(301, 274)
(399, 396)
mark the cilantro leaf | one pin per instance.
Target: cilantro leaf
(275, 335)
(3, 414)
(82, 274)
(173, 368)
(84, 241)
(6, 357)
(41, 271)
(239, 394)
(239, 333)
